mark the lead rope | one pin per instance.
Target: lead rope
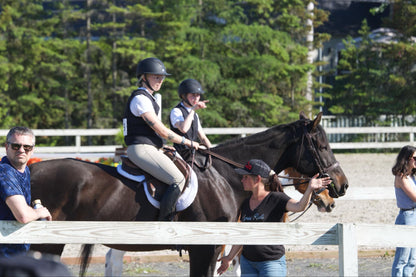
(307, 208)
(310, 201)
(314, 194)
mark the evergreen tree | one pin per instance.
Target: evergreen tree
(375, 78)
(250, 57)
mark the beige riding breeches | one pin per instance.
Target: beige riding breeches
(156, 163)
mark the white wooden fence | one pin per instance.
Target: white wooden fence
(79, 133)
(347, 236)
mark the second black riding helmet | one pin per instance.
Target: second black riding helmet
(189, 86)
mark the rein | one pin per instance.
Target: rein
(222, 158)
(239, 165)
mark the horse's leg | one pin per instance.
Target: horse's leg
(114, 262)
(202, 260)
(114, 257)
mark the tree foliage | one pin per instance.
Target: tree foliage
(377, 78)
(58, 72)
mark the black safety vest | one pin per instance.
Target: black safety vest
(192, 133)
(136, 130)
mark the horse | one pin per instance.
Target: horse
(76, 190)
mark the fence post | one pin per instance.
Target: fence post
(78, 143)
(347, 249)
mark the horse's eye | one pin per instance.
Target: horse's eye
(323, 147)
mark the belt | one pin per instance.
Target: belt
(407, 209)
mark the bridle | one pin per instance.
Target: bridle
(321, 168)
(312, 148)
(323, 171)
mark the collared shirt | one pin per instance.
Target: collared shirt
(141, 104)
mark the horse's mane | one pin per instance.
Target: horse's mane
(257, 138)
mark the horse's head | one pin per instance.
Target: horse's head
(323, 201)
(310, 153)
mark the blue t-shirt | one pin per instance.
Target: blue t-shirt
(12, 182)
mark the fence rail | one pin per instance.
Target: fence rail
(331, 131)
(347, 236)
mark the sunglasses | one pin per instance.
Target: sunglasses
(16, 146)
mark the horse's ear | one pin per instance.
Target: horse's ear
(302, 115)
(317, 120)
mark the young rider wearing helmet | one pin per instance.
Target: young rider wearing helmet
(144, 134)
(183, 118)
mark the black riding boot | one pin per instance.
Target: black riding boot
(168, 203)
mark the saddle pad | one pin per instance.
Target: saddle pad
(184, 201)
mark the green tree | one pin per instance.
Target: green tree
(27, 76)
(238, 58)
(403, 18)
(249, 56)
(375, 78)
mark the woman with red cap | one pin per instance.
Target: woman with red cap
(267, 203)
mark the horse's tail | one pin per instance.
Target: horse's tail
(86, 251)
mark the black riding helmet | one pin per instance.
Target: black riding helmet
(150, 66)
(189, 86)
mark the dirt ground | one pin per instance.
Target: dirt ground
(373, 266)
(362, 170)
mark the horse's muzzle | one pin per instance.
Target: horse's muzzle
(334, 193)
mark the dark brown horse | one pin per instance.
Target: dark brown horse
(82, 191)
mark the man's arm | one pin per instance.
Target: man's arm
(23, 212)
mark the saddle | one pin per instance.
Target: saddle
(155, 186)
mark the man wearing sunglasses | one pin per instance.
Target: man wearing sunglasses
(15, 196)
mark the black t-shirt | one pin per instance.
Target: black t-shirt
(271, 209)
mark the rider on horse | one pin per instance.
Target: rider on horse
(144, 134)
(183, 118)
